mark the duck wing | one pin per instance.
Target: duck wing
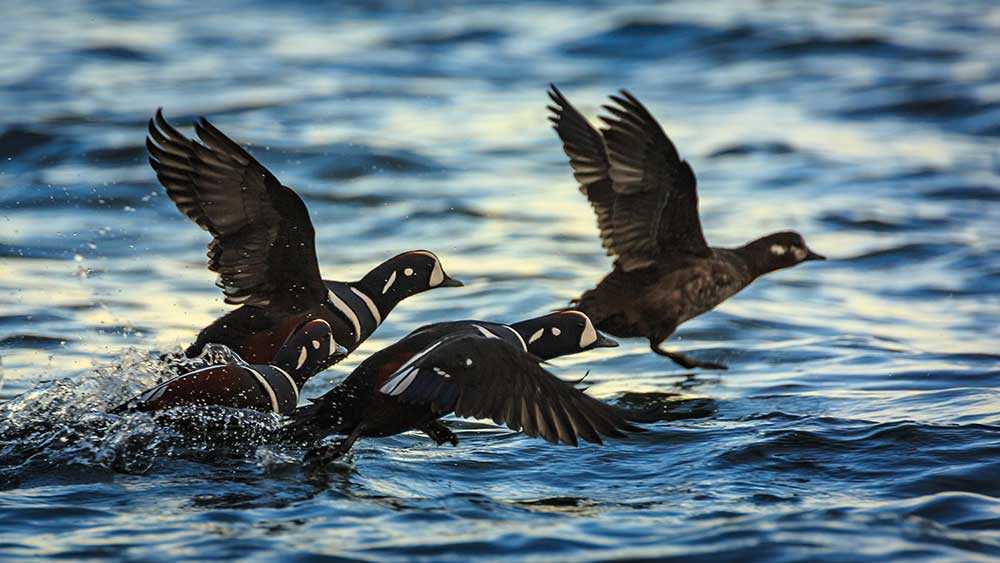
(584, 146)
(656, 208)
(263, 245)
(477, 376)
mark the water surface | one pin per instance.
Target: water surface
(860, 419)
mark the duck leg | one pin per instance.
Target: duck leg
(323, 455)
(682, 360)
(439, 433)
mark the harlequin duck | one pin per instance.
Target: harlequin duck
(263, 249)
(474, 369)
(273, 388)
(646, 202)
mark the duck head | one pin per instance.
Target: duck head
(309, 350)
(406, 274)
(779, 250)
(560, 334)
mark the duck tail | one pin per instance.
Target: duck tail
(307, 423)
(336, 412)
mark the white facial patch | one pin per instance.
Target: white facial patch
(589, 334)
(556, 331)
(437, 274)
(389, 282)
(408, 272)
(778, 250)
(315, 344)
(538, 334)
(799, 252)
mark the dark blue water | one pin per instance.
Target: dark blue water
(860, 419)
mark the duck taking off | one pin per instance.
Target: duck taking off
(269, 388)
(264, 251)
(472, 368)
(646, 201)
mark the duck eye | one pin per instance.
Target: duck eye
(408, 272)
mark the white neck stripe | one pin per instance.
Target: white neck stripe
(290, 382)
(348, 312)
(518, 335)
(267, 387)
(371, 305)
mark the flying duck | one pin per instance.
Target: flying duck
(263, 249)
(646, 201)
(269, 388)
(472, 368)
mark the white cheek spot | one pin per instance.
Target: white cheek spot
(778, 250)
(389, 282)
(303, 354)
(437, 275)
(468, 362)
(799, 253)
(408, 272)
(556, 331)
(538, 334)
(315, 344)
(589, 335)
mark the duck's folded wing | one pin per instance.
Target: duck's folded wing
(263, 247)
(482, 377)
(656, 211)
(584, 146)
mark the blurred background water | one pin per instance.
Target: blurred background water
(860, 419)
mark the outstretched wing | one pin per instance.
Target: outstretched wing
(656, 209)
(585, 148)
(480, 377)
(263, 245)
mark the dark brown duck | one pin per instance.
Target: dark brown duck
(646, 201)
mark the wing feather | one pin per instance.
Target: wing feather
(479, 377)
(263, 245)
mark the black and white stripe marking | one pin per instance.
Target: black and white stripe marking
(404, 376)
(357, 307)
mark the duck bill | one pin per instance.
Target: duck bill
(604, 342)
(451, 282)
(813, 256)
